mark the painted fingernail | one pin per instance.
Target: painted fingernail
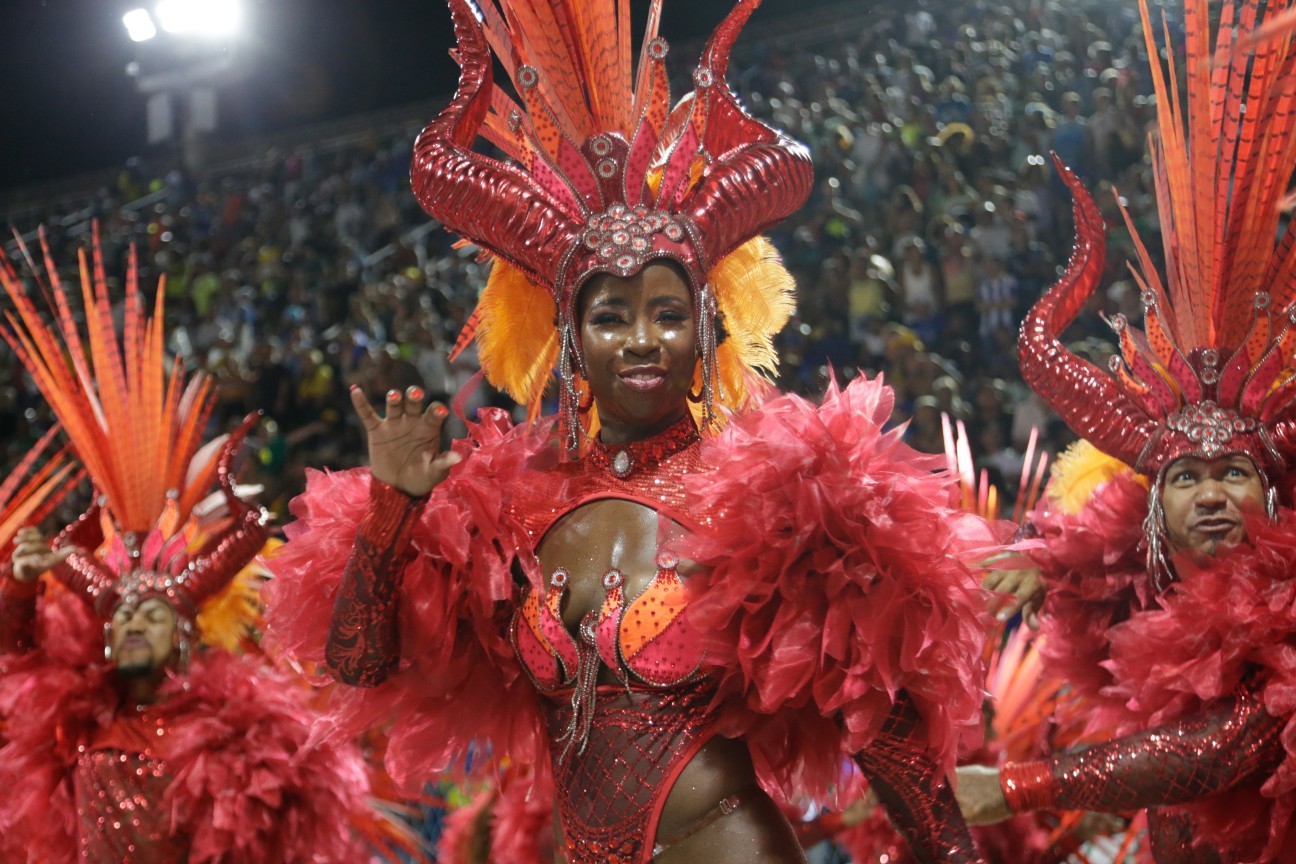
(441, 411)
(416, 393)
(354, 387)
(393, 395)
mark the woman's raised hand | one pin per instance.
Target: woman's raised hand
(405, 445)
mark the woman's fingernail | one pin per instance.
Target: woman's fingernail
(441, 411)
(393, 395)
(416, 393)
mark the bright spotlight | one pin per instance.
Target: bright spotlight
(139, 25)
(200, 17)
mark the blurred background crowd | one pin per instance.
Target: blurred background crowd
(296, 270)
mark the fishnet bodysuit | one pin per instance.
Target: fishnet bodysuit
(611, 791)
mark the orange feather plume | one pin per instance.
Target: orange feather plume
(134, 426)
(1222, 157)
(30, 492)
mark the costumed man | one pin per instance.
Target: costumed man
(665, 622)
(130, 733)
(1171, 604)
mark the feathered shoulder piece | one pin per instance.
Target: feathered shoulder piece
(1212, 371)
(136, 427)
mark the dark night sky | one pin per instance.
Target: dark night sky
(70, 107)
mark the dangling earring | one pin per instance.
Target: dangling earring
(1271, 501)
(107, 636)
(1154, 529)
(706, 312)
(184, 632)
(700, 396)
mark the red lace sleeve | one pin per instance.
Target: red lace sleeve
(906, 779)
(363, 639)
(17, 612)
(1173, 764)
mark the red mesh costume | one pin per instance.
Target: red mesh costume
(223, 764)
(1185, 655)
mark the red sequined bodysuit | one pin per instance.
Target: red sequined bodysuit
(120, 781)
(1193, 681)
(616, 750)
(118, 773)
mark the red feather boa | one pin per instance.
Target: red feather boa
(250, 780)
(841, 573)
(459, 679)
(837, 572)
(1140, 660)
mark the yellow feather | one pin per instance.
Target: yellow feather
(235, 613)
(1078, 471)
(517, 341)
(757, 297)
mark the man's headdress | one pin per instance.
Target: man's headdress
(1212, 371)
(137, 428)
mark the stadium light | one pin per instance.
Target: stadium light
(139, 25)
(204, 18)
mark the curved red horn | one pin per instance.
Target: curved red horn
(493, 204)
(83, 574)
(222, 557)
(1085, 396)
(758, 176)
(1282, 437)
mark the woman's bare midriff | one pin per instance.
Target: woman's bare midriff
(590, 541)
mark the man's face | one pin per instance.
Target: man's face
(1204, 501)
(143, 637)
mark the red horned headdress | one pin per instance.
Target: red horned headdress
(137, 430)
(605, 176)
(1212, 372)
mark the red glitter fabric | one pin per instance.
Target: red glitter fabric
(17, 612)
(363, 640)
(839, 572)
(610, 793)
(840, 577)
(1227, 626)
(228, 771)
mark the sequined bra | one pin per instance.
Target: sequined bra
(645, 641)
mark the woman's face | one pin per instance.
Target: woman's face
(640, 346)
(1204, 501)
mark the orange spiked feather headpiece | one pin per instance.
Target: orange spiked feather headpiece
(137, 430)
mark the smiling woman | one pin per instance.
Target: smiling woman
(640, 345)
(699, 597)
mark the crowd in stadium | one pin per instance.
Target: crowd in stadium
(937, 219)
